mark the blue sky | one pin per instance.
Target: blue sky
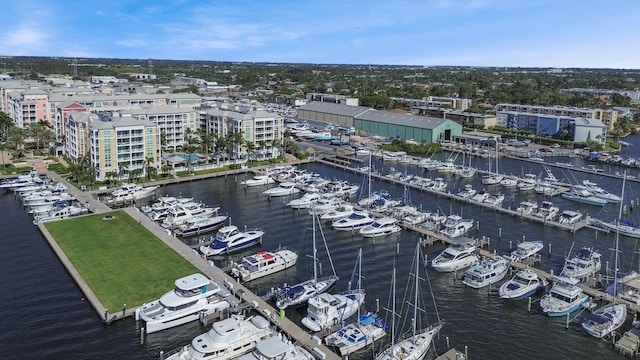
(541, 33)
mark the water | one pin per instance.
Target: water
(45, 316)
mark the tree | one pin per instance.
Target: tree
(15, 140)
(275, 143)
(111, 176)
(236, 143)
(5, 124)
(41, 133)
(251, 147)
(206, 141)
(262, 145)
(148, 161)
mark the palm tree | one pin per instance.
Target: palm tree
(40, 132)
(111, 176)
(222, 144)
(275, 143)
(5, 124)
(189, 149)
(251, 147)
(206, 141)
(166, 169)
(148, 161)
(262, 145)
(236, 141)
(15, 140)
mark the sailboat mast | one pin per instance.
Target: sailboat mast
(615, 270)
(369, 194)
(315, 250)
(393, 312)
(415, 300)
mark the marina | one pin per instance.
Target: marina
(400, 246)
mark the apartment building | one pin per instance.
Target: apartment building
(608, 117)
(122, 144)
(462, 117)
(29, 107)
(572, 128)
(172, 122)
(76, 143)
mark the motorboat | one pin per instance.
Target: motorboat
(192, 295)
(480, 196)
(439, 185)
(356, 220)
(380, 227)
(579, 193)
(199, 225)
(262, 264)
(230, 239)
(283, 189)
(601, 193)
(434, 221)
(41, 200)
(181, 213)
(305, 201)
(547, 211)
(494, 200)
(528, 182)
(26, 178)
(227, 339)
(526, 250)
(297, 295)
(546, 189)
(258, 180)
(340, 212)
(325, 310)
(492, 179)
(369, 328)
(130, 192)
(468, 192)
(373, 197)
(164, 203)
(456, 226)
(605, 320)
(459, 255)
(527, 207)
(585, 263)
(625, 227)
(509, 181)
(59, 213)
(490, 270)
(564, 297)
(277, 347)
(325, 204)
(361, 151)
(569, 217)
(522, 285)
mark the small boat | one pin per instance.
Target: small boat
(192, 295)
(369, 328)
(181, 213)
(579, 193)
(363, 151)
(230, 239)
(59, 213)
(523, 284)
(325, 204)
(564, 297)
(494, 200)
(585, 263)
(277, 347)
(439, 185)
(468, 192)
(527, 183)
(227, 339)
(263, 263)
(547, 211)
(284, 189)
(527, 207)
(326, 310)
(601, 193)
(258, 180)
(490, 270)
(129, 192)
(509, 181)
(625, 227)
(27, 178)
(380, 227)
(457, 256)
(355, 221)
(605, 320)
(480, 196)
(341, 212)
(569, 217)
(456, 226)
(199, 225)
(526, 250)
(305, 201)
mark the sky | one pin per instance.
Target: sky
(519, 33)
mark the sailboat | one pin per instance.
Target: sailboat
(608, 319)
(297, 295)
(326, 310)
(493, 178)
(416, 344)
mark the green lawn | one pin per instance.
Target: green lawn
(121, 261)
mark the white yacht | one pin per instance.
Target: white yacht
(327, 309)
(341, 212)
(258, 180)
(457, 256)
(180, 213)
(368, 329)
(277, 347)
(192, 295)
(547, 211)
(605, 320)
(284, 189)
(490, 270)
(523, 284)
(601, 193)
(494, 200)
(509, 181)
(468, 192)
(527, 183)
(380, 227)
(569, 217)
(526, 250)
(128, 192)
(59, 213)
(326, 203)
(480, 196)
(305, 201)
(527, 208)
(230, 239)
(263, 263)
(564, 297)
(355, 221)
(227, 339)
(197, 225)
(456, 226)
(585, 263)
(579, 193)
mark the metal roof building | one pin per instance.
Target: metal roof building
(408, 127)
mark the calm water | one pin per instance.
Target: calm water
(44, 315)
